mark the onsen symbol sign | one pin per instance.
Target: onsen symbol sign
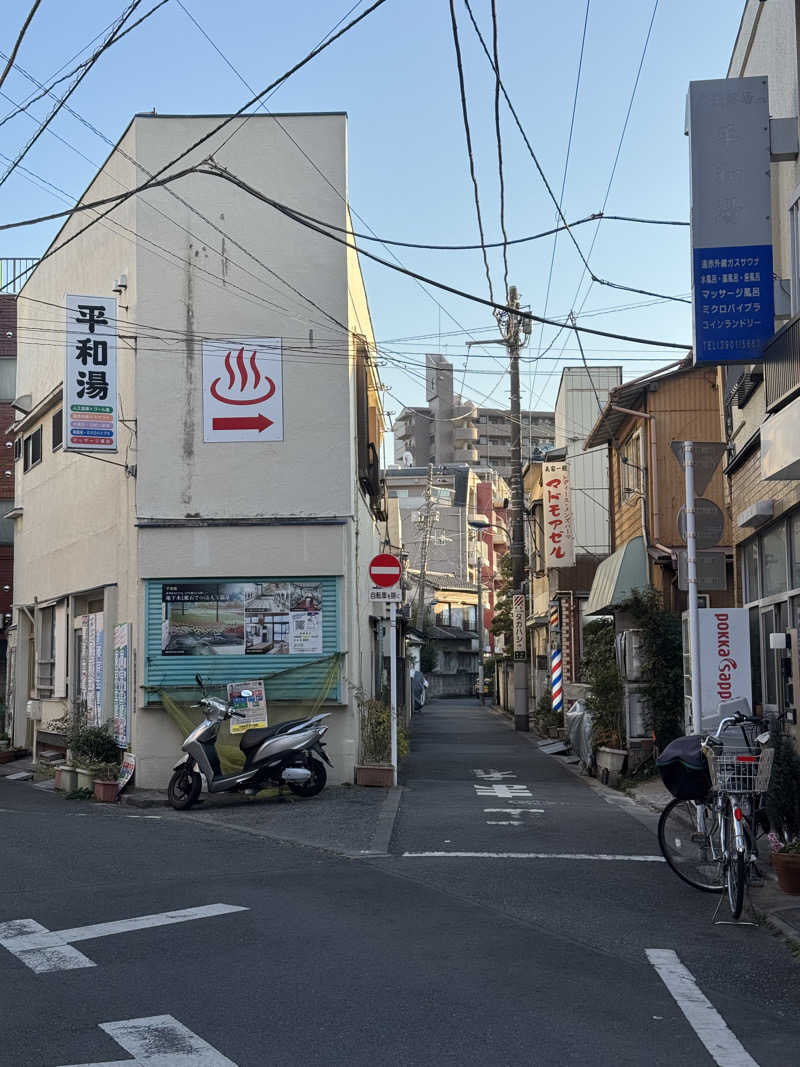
(242, 390)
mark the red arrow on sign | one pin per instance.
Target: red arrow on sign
(258, 422)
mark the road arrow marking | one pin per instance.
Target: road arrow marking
(51, 950)
(257, 422)
(160, 1041)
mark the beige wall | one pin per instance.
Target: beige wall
(78, 528)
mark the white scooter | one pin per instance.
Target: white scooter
(284, 754)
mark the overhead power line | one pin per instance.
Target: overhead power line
(529, 146)
(47, 90)
(228, 176)
(499, 140)
(216, 129)
(468, 137)
(18, 41)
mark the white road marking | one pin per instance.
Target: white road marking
(702, 1016)
(503, 822)
(504, 792)
(142, 816)
(160, 1041)
(50, 950)
(517, 811)
(535, 856)
(493, 776)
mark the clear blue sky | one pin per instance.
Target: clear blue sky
(395, 75)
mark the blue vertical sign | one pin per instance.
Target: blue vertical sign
(732, 273)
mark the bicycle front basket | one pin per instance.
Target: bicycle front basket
(736, 769)
(683, 769)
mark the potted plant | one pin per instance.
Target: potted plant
(374, 767)
(783, 809)
(5, 741)
(66, 779)
(89, 747)
(106, 782)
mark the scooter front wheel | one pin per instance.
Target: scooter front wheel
(315, 784)
(184, 788)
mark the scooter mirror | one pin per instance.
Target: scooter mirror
(246, 692)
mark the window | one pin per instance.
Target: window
(46, 652)
(773, 561)
(32, 450)
(57, 424)
(750, 570)
(471, 622)
(18, 448)
(630, 481)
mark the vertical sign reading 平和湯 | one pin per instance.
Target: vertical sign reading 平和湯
(732, 277)
(90, 374)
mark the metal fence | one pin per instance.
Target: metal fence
(14, 272)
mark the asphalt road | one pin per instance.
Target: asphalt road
(400, 959)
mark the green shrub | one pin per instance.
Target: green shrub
(94, 744)
(545, 717)
(783, 795)
(605, 696)
(375, 733)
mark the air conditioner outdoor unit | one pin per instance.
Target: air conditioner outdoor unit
(33, 710)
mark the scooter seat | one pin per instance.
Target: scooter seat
(253, 738)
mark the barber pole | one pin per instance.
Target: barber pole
(555, 665)
(554, 615)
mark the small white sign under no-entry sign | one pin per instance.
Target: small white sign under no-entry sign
(242, 390)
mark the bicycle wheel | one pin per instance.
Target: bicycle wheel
(693, 855)
(734, 867)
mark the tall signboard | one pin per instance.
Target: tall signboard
(559, 538)
(90, 374)
(732, 290)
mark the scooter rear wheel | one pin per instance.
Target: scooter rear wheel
(315, 784)
(184, 788)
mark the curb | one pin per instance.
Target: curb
(385, 825)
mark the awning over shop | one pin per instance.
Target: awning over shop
(617, 577)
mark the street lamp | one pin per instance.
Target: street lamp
(481, 525)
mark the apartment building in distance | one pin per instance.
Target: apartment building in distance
(452, 430)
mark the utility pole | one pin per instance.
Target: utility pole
(516, 330)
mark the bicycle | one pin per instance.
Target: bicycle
(711, 843)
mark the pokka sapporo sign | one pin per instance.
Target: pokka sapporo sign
(559, 540)
(90, 374)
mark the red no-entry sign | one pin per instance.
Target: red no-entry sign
(385, 570)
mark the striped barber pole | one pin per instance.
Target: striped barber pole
(554, 615)
(555, 670)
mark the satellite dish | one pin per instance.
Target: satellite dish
(408, 459)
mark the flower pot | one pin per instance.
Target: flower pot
(85, 778)
(380, 775)
(106, 792)
(787, 868)
(66, 779)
